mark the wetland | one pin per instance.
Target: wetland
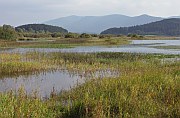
(90, 78)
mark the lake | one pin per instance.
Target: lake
(137, 46)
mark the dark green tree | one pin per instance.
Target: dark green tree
(7, 32)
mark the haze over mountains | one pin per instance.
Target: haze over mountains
(97, 24)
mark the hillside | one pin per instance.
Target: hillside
(41, 28)
(170, 27)
(96, 24)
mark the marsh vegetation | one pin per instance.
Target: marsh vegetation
(145, 86)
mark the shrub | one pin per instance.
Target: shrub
(84, 35)
(71, 35)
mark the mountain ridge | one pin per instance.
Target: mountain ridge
(97, 24)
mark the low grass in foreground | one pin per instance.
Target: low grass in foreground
(147, 87)
(21, 106)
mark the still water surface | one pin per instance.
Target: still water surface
(46, 82)
(43, 83)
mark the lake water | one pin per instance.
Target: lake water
(137, 46)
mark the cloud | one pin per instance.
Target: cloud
(17, 12)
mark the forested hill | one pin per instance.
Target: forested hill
(40, 28)
(170, 27)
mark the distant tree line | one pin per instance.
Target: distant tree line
(31, 31)
(76, 35)
(170, 27)
(85, 35)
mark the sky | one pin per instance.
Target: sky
(17, 12)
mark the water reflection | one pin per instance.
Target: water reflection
(46, 82)
(43, 82)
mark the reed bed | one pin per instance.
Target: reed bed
(15, 64)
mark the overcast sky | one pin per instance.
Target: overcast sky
(16, 12)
